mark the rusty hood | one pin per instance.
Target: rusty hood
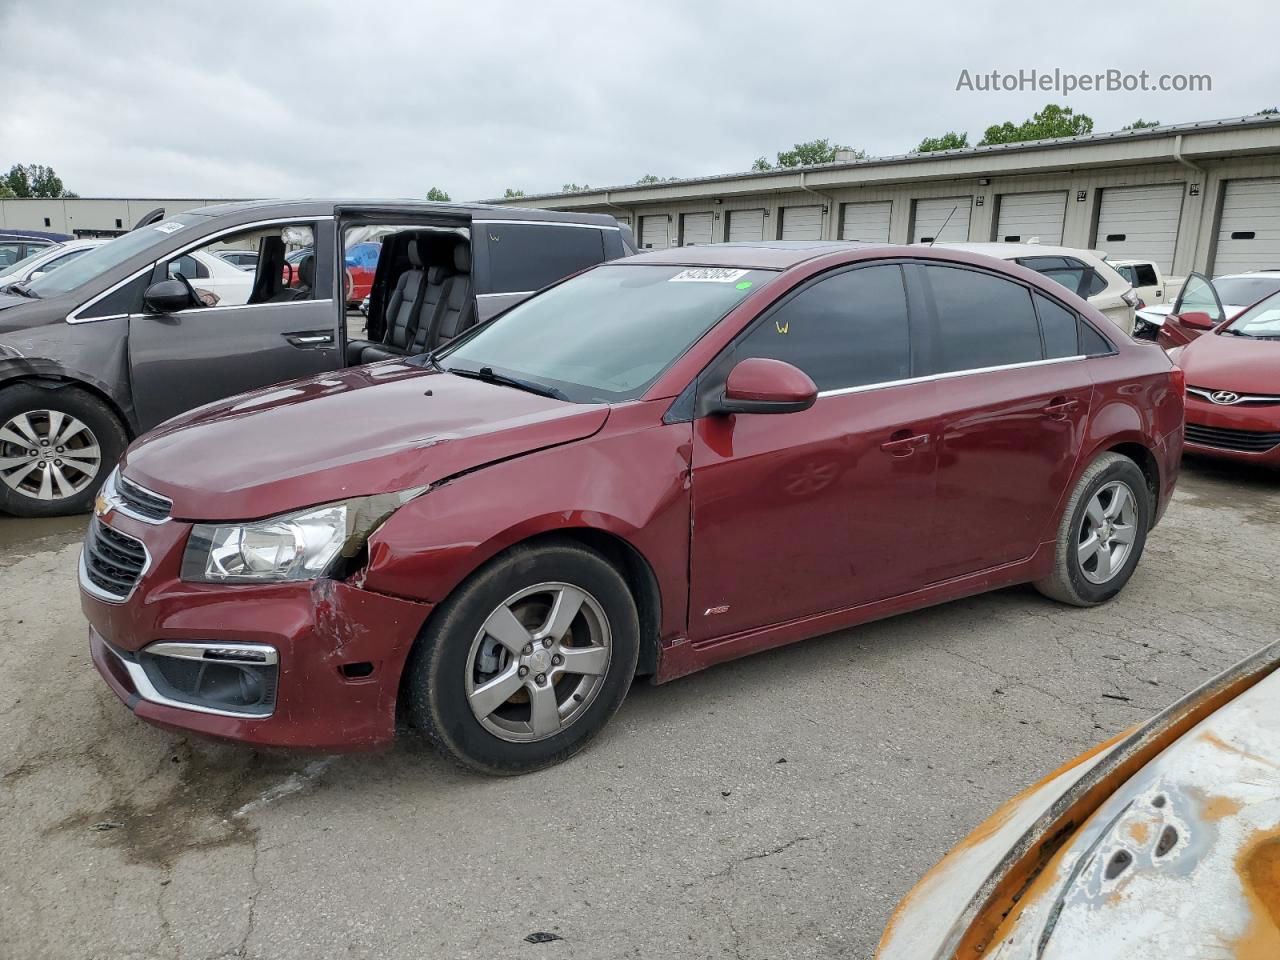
(1164, 842)
(374, 429)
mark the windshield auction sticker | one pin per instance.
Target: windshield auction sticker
(708, 275)
(169, 226)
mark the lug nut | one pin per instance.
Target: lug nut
(547, 642)
(61, 449)
(540, 679)
(35, 453)
(57, 463)
(557, 660)
(528, 649)
(523, 672)
(44, 443)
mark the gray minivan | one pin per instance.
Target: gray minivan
(156, 322)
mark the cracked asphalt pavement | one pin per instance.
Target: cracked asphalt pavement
(776, 807)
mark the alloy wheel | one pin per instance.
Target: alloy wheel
(1107, 532)
(538, 662)
(48, 454)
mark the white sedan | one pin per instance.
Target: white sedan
(1083, 272)
(46, 260)
(227, 284)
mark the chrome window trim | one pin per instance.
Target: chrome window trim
(147, 690)
(949, 375)
(89, 587)
(74, 315)
(555, 223)
(233, 306)
(1240, 397)
(507, 293)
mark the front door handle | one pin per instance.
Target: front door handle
(309, 338)
(1060, 407)
(903, 443)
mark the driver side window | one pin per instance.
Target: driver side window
(264, 264)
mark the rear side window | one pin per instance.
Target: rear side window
(1146, 275)
(1077, 276)
(528, 256)
(847, 330)
(1092, 343)
(983, 320)
(1060, 328)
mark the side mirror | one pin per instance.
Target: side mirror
(36, 275)
(760, 385)
(167, 296)
(1196, 320)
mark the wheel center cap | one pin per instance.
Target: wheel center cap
(539, 660)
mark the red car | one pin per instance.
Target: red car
(1233, 387)
(654, 466)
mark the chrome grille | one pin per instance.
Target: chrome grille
(1225, 438)
(141, 502)
(112, 562)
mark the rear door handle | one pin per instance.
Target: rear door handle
(1060, 407)
(903, 443)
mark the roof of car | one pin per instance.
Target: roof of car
(318, 207)
(754, 255)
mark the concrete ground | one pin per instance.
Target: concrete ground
(776, 807)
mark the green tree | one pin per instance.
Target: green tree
(435, 193)
(1266, 110)
(574, 188)
(1053, 121)
(651, 178)
(34, 180)
(512, 194)
(807, 154)
(1141, 124)
(6, 191)
(948, 141)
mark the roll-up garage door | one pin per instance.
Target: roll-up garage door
(1249, 231)
(746, 225)
(801, 223)
(865, 221)
(1025, 217)
(1140, 223)
(653, 232)
(930, 215)
(695, 228)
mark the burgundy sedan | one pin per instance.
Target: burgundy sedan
(660, 464)
(1233, 387)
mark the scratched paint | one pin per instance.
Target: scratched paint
(1181, 858)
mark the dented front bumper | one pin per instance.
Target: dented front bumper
(339, 650)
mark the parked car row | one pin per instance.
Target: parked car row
(646, 469)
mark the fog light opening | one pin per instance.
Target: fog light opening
(357, 671)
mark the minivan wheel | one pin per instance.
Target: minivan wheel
(526, 661)
(1102, 534)
(56, 448)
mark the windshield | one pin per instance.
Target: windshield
(607, 334)
(29, 260)
(110, 255)
(1262, 322)
(1242, 291)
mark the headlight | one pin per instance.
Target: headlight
(293, 546)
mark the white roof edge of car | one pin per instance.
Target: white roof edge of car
(1007, 251)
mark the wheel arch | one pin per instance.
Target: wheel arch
(59, 381)
(1146, 460)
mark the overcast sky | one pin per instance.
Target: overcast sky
(221, 99)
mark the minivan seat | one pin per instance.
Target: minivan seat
(405, 307)
(457, 312)
(306, 281)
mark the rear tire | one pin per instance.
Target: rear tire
(1102, 534)
(492, 681)
(57, 446)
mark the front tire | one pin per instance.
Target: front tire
(524, 664)
(57, 446)
(1102, 533)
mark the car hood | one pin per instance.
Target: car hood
(1220, 362)
(366, 430)
(1159, 311)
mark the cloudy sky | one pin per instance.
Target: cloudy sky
(297, 98)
